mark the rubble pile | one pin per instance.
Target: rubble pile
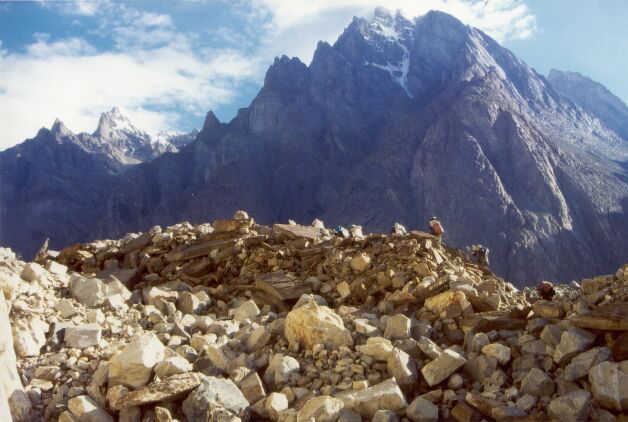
(238, 321)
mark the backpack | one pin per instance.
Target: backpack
(437, 229)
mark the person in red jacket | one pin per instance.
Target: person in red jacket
(437, 229)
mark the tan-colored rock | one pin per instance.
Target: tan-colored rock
(252, 388)
(259, 338)
(442, 367)
(548, 309)
(169, 389)
(320, 409)
(401, 366)
(172, 365)
(312, 324)
(378, 347)
(498, 351)
(453, 303)
(398, 327)
(134, 365)
(361, 262)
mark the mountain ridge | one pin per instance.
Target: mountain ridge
(475, 136)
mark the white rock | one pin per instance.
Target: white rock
(384, 396)
(83, 336)
(66, 308)
(35, 273)
(172, 365)
(91, 292)
(133, 366)
(275, 403)
(29, 336)
(312, 324)
(87, 410)
(55, 268)
(284, 368)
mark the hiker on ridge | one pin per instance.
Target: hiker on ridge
(437, 229)
(480, 253)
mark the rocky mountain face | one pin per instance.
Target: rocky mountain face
(397, 121)
(237, 321)
(592, 97)
(118, 140)
(54, 184)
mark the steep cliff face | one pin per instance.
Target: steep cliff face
(593, 98)
(399, 121)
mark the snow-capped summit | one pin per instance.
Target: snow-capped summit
(58, 128)
(113, 124)
(120, 141)
(389, 38)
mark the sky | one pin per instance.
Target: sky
(167, 63)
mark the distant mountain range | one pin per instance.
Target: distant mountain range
(398, 120)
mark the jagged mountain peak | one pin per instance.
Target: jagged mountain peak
(115, 121)
(60, 129)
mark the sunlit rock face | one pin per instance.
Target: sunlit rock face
(398, 120)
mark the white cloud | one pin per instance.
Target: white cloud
(70, 80)
(294, 26)
(157, 73)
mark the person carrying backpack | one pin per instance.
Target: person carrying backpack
(480, 253)
(437, 229)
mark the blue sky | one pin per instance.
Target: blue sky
(167, 63)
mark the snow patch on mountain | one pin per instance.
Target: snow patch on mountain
(120, 141)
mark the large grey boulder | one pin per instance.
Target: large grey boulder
(215, 396)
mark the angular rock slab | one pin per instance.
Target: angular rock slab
(383, 396)
(609, 385)
(572, 407)
(215, 396)
(442, 367)
(322, 409)
(167, 390)
(312, 324)
(134, 365)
